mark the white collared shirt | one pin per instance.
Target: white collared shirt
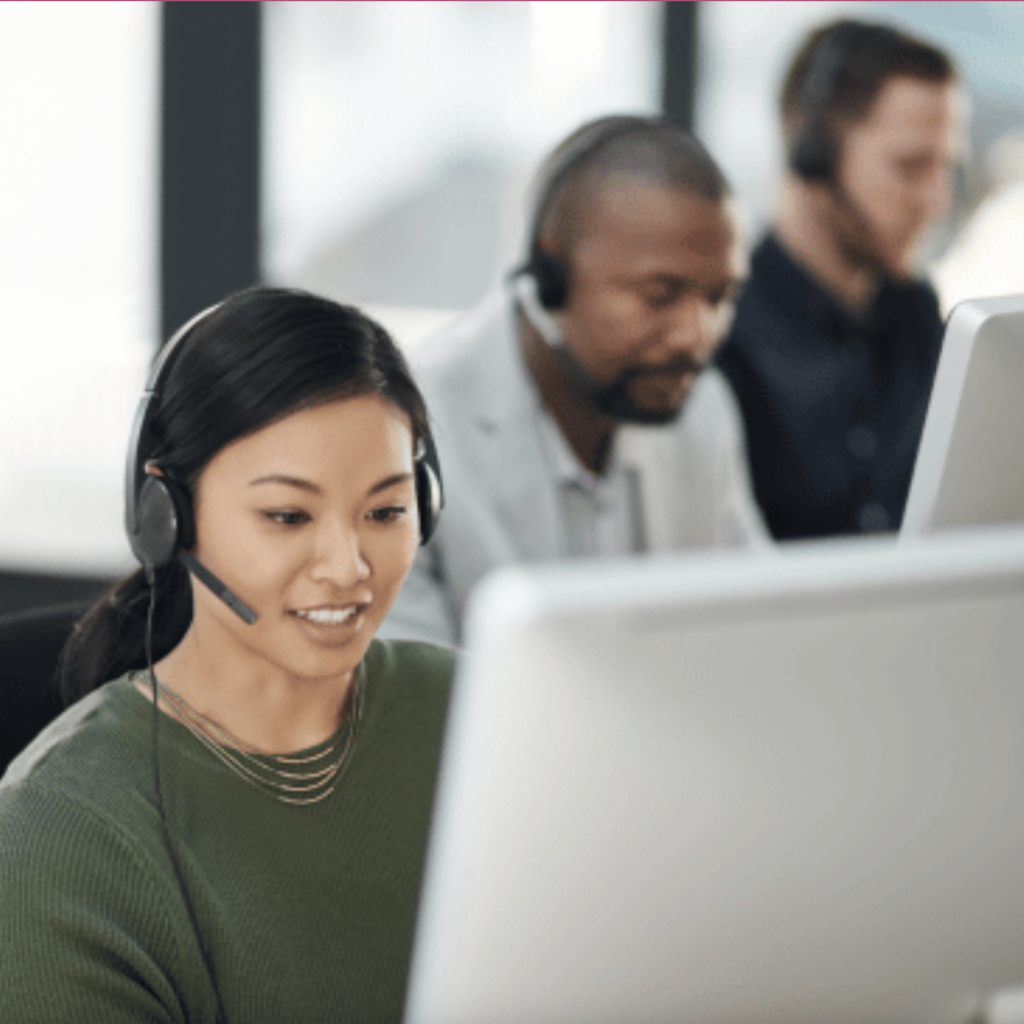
(515, 491)
(602, 513)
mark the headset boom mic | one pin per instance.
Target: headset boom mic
(217, 586)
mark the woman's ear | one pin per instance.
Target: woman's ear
(152, 469)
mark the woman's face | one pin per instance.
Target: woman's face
(312, 522)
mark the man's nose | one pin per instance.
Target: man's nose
(936, 196)
(693, 329)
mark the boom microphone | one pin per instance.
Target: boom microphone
(216, 586)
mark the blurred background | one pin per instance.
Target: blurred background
(158, 155)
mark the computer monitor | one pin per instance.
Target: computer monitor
(970, 464)
(720, 789)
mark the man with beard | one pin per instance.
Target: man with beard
(574, 412)
(835, 343)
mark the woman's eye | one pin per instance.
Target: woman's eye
(388, 514)
(287, 518)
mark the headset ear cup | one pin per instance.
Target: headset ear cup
(428, 500)
(429, 490)
(156, 536)
(165, 522)
(812, 156)
(552, 276)
(186, 517)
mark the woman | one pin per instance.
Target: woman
(249, 847)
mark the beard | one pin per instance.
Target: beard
(616, 399)
(863, 245)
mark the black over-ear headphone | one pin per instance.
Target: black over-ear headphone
(429, 489)
(814, 150)
(159, 518)
(551, 272)
(158, 513)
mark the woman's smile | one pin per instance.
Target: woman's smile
(331, 625)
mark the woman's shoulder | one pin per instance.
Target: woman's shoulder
(412, 661)
(77, 797)
(409, 679)
(93, 739)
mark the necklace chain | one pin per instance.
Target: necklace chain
(270, 772)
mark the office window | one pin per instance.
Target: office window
(400, 138)
(78, 121)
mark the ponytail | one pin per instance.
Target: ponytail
(110, 639)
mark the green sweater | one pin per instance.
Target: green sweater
(307, 912)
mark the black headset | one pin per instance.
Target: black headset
(814, 150)
(551, 272)
(159, 518)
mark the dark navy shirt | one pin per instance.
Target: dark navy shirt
(833, 405)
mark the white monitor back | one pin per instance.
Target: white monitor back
(723, 789)
(970, 464)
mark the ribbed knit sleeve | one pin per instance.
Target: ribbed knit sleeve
(89, 928)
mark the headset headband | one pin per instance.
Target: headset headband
(813, 153)
(142, 427)
(591, 139)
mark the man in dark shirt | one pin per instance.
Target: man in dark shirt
(835, 344)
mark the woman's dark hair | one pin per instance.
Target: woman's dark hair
(258, 357)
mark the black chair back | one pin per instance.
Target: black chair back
(30, 698)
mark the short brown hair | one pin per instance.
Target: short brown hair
(856, 58)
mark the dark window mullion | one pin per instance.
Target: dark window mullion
(679, 61)
(210, 155)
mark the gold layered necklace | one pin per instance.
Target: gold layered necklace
(302, 778)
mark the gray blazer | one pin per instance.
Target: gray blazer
(502, 502)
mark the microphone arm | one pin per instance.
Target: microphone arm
(232, 600)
